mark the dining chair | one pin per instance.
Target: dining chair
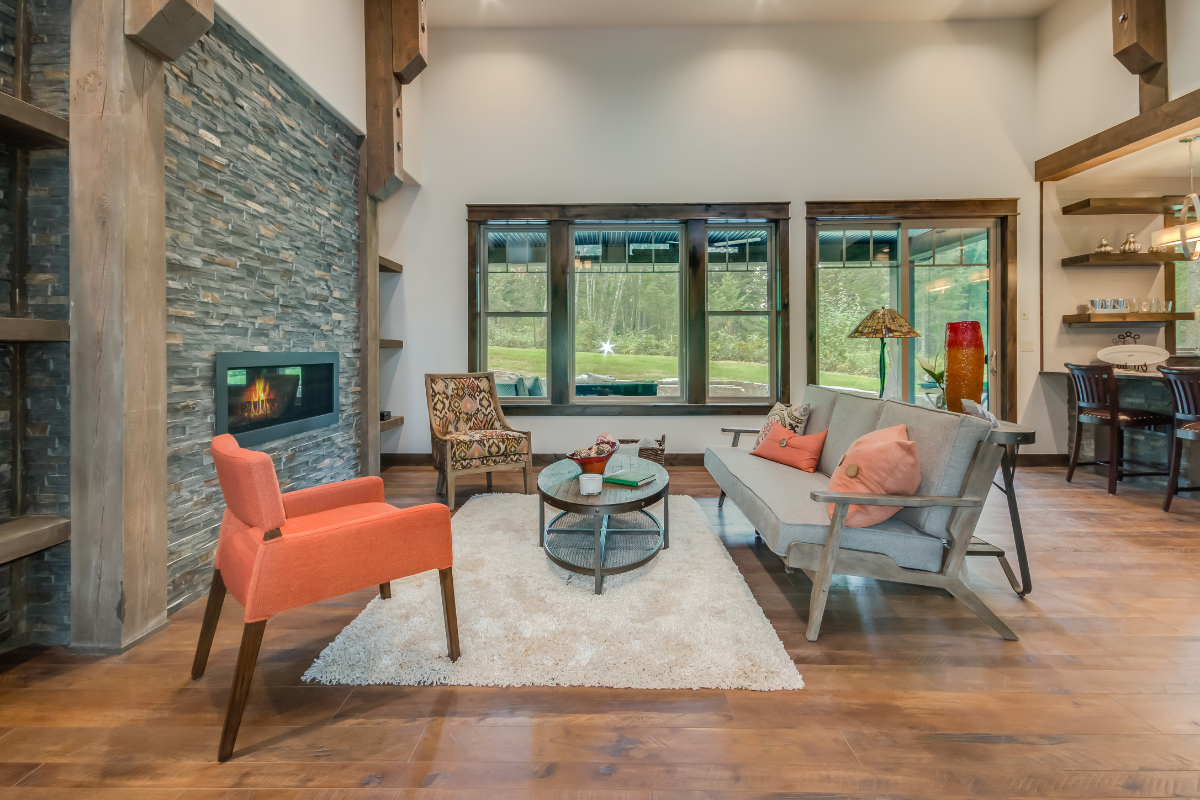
(468, 432)
(1184, 383)
(1096, 395)
(280, 551)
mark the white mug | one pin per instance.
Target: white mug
(590, 484)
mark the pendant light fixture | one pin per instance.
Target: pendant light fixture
(1187, 235)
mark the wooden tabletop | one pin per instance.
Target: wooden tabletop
(558, 485)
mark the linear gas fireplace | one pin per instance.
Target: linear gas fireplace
(265, 396)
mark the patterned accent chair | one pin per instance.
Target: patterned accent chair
(468, 432)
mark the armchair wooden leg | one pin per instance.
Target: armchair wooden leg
(441, 483)
(1075, 451)
(971, 600)
(1114, 457)
(208, 628)
(252, 636)
(529, 476)
(824, 575)
(721, 500)
(446, 578)
(385, 590)
(489, 479)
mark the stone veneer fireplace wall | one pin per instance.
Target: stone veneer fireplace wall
(262, 239)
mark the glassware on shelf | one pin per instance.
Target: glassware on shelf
(1104, 246)
(1131, 244)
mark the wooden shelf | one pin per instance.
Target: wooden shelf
(24, 329)
(1121, 259)
(1097, 206)
(390, 344)
(1125, 319)
(388, 424)
(387, 265)
(25, 535)
(25, 124)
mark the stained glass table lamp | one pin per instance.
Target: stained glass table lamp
(884, 323)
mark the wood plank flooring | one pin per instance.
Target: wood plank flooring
(907, 694)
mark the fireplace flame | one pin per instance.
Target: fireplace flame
(258, 401)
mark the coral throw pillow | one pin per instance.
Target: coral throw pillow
(801, 452)
(881, 462)
(791, 417)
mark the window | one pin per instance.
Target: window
(626, 312)
(931, 271)
(515, 312)
(649, 309)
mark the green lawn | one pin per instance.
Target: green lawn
(621, 367)
(866, 384)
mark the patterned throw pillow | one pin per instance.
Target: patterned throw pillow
(789, 416)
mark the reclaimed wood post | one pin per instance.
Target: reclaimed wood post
(118, 332)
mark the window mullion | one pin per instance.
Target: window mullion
(696, 325)
(560, 255)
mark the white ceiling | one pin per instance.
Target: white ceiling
(637, 13)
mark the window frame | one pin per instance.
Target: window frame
(998, 214)
(694, 219)
(486, 314)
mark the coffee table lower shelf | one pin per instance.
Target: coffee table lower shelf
(604, 544)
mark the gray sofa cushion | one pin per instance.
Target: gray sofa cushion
(820, 408)
(945, 445)
(776, 499)
(853, 416)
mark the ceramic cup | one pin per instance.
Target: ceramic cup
(590, 484)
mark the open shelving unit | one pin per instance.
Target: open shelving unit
(391, 344)
(1100, 206)
(1132, 318)
(388, 424)
(1122, 259)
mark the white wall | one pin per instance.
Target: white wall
(318, 42)
(813, 112)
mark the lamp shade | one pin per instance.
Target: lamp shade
(884, 323)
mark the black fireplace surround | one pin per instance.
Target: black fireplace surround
(265, 396)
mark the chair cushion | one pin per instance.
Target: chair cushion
(337, 516)
(462, 403)
(880, 462)
(248, 484)
(790, 417)
(784, 447)
(946, 444)
(1135, 416)
(852, 417)
(487, 448)
(775, 498)
(1191, 427)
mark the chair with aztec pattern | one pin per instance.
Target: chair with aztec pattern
(468, 432)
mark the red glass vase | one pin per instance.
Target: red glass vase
(964, 364)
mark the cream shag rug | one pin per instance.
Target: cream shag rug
(686, 620)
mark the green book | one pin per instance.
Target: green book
(630, 477)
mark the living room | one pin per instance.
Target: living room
(529, 398)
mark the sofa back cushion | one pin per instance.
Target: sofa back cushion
(946, 444)
(852, 417)
(820, 402)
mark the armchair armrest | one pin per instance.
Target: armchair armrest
(333, 495)
(907, 501)
(737, 433)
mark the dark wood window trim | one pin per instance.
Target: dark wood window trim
(1003, 210)
(694, 322)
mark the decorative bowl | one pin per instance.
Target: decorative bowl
(594, 465)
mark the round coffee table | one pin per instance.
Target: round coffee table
(606, 533)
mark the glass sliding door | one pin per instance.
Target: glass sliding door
(932, 272)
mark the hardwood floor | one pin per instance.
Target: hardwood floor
(907, 695)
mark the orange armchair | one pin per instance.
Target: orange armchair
(279, 551)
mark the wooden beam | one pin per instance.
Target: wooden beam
(1140, 44)
(26, 535)
(385, 133)
(167, 28)
(1174, 118)
(24, 329)
(27, 125)
(118, 334)
(368, 323)
(410, 46)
